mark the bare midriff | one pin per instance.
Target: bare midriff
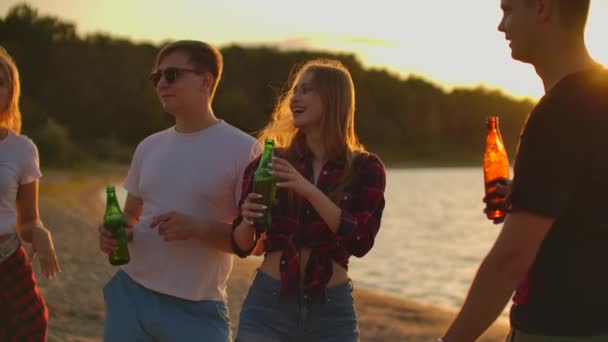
(270, 266)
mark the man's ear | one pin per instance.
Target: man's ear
(208, 81)
(546, 9)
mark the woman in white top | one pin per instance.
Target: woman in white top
(23, 314)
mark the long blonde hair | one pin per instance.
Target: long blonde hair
(10, 117)
(334, 85)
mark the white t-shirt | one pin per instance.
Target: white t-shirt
(18, 165)
(198, 174)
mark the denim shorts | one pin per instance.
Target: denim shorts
(268, 317)
(135, 313)
(519, 336)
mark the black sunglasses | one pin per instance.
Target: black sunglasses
(171, 74)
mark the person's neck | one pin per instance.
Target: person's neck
(315, 143)
(562, 59)
(195, 120)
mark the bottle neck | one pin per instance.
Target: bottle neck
(111, 200)
(492, 124)
(267, 155)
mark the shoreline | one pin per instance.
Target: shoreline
(71, 209)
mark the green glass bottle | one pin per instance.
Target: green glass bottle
(114, 221)
(265, 184)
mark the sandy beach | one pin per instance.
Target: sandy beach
(71, 208)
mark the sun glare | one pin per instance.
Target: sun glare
(596, 31)
(452, 43)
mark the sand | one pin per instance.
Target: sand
(71, 207)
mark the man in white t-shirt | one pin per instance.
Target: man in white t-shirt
(183, 189)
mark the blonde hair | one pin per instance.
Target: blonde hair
(10, 117)
(332, 81)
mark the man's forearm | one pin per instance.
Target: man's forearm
(217, 235)
(490, 292)
(505, 266)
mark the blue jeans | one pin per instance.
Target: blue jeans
(135, 313)
(267, 317)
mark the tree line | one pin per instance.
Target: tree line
(88, 98)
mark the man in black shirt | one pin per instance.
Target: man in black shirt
(553, 247)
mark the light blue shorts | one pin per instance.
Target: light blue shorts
(267, 317)
(135, 313)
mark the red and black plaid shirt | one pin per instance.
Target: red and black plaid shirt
(23, 313)
(296, 224)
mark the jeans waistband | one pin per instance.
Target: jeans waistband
(9, 246)
(263, 280)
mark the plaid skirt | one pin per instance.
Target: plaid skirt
(23, 314)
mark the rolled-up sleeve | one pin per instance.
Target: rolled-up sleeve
(361, 215)
(246, 186)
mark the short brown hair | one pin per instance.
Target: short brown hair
(203, 56)
(573, 13)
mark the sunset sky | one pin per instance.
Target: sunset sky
(451, 43)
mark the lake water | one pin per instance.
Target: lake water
(433, 236)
